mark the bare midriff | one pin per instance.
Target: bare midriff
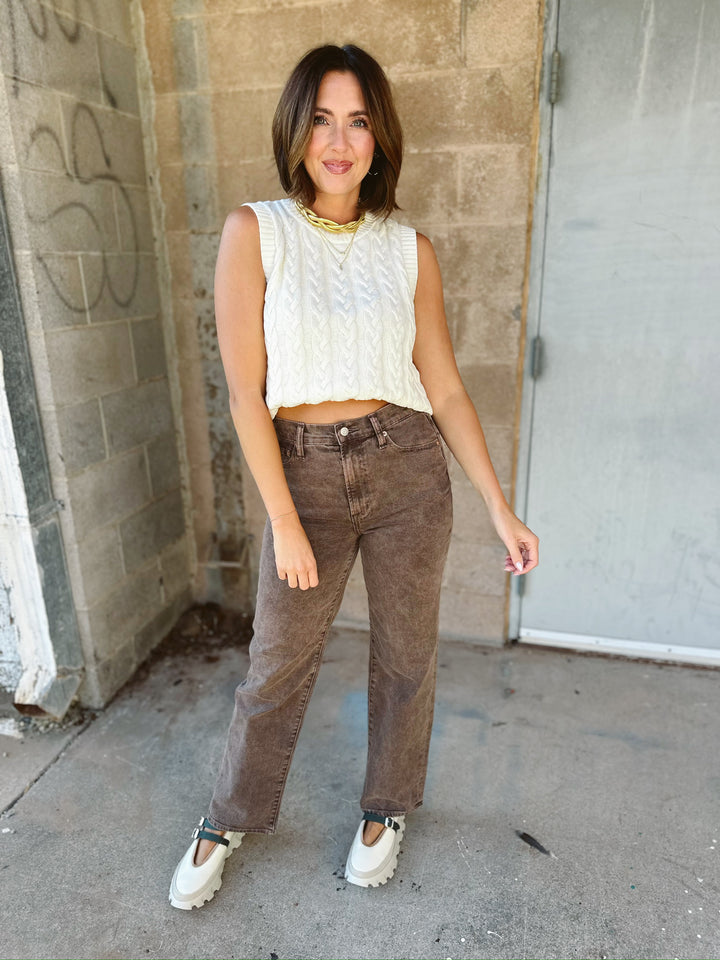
(331, 411)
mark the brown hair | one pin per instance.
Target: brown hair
(293, 122)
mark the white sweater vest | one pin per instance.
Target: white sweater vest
(337, 332)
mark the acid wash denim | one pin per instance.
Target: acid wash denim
(378, 484)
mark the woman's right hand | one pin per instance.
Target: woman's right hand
(294, 557)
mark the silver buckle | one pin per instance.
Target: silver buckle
(389, 822)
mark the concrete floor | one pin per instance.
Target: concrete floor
(611, 765)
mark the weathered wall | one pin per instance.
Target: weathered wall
(464, 72)
(74, 179)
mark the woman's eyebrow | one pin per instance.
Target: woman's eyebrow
(353, 113)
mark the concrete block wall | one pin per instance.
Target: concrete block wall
(465, 76)
(72, 162)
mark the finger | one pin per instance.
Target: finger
(516, 557)
(292, 579)
(313, 579)
(303, 580)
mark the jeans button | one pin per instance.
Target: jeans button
(344, 431)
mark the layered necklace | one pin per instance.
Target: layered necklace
(329, 226)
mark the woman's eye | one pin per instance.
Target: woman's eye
(359, 122)
(320, 119)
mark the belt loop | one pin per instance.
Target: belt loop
(380, 434)
(299, 449)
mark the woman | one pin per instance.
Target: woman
(342, 379)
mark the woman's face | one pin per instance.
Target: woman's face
(342, 144)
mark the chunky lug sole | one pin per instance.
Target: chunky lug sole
(185, 901)
(385, 870)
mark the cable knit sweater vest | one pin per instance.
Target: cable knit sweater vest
(337, 332)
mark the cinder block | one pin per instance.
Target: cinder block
(265, 44)
(470, 107)
(502, 31)
(171, 183)
(57, 283)
(471, 616)
(64, 214)
(239, 183)
(89, 361)
(81, 435)
(477, 260)
(196, 128)
(185, 53)
(201, 197)
(104, 142)
(402, 35)
(16, 209)
(163, 464)
(242, 120)
(483, 331)
(492, 390)
(108, 491)
(101, 563)
(167, 129)
(494, 184)
(209, 349)
(149, 348)
(63, 58)
(181, 267)
(161, 624)
(135, 226)
(109, 675)
(120, 285)
(477, 567)
(137, 415)
(175, 568)
(158, 42)
(186, 8)
(37, 126)
(117, 68)
(22, 51)
(203, 254)
(147, 532)
(428, 187)
(127, 610)
(113, 19)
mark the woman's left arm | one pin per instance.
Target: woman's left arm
(454, 413)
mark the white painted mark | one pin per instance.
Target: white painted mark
(10, 728)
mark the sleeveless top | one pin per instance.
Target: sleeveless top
(332, 331)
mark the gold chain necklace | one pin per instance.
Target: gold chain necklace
(331, 227)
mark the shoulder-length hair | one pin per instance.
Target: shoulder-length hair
(295, 112)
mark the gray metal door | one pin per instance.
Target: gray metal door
(621, 445)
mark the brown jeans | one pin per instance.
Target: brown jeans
(378, 484)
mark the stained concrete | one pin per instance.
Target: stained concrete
(610, 765)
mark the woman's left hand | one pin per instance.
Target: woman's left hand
(520, 541)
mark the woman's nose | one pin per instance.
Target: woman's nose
(338, 137)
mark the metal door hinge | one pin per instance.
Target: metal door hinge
(554, 76)
(536, 358)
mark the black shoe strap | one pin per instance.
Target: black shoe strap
(378, 818)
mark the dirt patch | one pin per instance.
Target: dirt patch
(202, 631)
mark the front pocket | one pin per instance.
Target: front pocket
(416, 432)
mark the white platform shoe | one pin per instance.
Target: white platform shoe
(194, 884)
(369, 866)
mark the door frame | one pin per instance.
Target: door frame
(534, 297)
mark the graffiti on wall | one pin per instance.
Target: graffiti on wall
(87, 164)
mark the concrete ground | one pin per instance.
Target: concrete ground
(612, 766)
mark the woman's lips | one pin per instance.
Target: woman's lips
(337, 166)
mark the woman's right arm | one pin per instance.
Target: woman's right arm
(239, 299)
